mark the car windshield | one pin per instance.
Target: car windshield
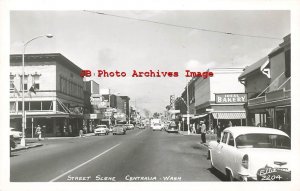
(101, 126)
(263, 141)
(157, 124)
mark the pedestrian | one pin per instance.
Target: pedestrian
(38, 132)
(203, 131)
(70, 130)
(44, 131)
(218, 129)
(229, 124)
(65, 131)
(194, 128)
(80, 133)
(85, 129)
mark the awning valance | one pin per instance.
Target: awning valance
(199, 116)
(229, 115)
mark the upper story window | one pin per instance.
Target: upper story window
(11, 80)
(25, 82)
(36, 81)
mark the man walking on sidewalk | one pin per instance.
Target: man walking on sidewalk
(203, 131)
(38, 132)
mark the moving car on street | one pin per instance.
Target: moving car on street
(157, 127)
(119, 129)
(172, 127)
(252, 153)
(101, 130)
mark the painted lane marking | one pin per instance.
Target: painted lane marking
(138, 133)
(58, 177)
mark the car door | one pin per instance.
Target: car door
(219, 160)
(228, 154)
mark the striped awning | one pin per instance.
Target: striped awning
(229, 115)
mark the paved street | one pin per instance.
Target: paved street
(140, 155)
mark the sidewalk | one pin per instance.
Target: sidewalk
(28, 146)
(33, 142)
(209, 137)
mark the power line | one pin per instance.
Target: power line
(186, 27)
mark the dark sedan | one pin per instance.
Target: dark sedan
(119, 130)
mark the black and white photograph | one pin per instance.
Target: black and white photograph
(137, 97)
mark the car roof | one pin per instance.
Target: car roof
(241, 130)
(101, 126)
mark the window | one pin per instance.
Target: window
(46, 105)
(26, 105)
(11, 80)
(231, 140)
(263, 141)
(36, 81)
(25, 82)
(35, 105)
(12, 107)
(224, 138)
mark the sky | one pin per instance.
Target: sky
(100, 42)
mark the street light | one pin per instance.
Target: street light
(23, 64)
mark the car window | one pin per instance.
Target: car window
(263, 141)
(224, 138)
(231, 140)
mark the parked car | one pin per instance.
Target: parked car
(157, 127)
(101, 130)
(129, 126)
(141, 126)
(172, 128)
(119, 129)
(252, 153)
(16, 134)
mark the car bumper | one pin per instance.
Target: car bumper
(246, 178)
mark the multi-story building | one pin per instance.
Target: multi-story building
(268, 83)
(58, 98)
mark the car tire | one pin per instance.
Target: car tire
(229, 176)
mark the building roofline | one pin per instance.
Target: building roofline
(50, 56)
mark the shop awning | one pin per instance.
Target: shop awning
(199, 116)
(229, 115)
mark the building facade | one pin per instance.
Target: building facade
(225, 82)
(57, 99)
(270, 103)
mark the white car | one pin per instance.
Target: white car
(157, 127)
(101, 130)
(252, 153)
(15, 134)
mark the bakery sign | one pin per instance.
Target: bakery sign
(226, 98)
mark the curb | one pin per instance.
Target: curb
(27, 147)
(53, 138)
